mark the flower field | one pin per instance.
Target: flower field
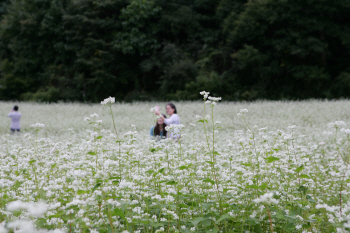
(238, 167)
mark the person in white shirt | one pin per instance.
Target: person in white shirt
(15, 119)
(174, 119)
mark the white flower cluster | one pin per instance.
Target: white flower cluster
(242, 112)
(336, 124)
(37, 125)
(347, 131)
(267, 198)
(212, 100)
(109, 101)
(175, 129)
(34, 209)
(204, 94)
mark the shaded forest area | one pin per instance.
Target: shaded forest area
(86, 50)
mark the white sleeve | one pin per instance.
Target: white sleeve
(171, 120)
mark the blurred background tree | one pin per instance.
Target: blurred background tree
(75, 50)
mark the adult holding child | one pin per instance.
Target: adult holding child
(174, 119)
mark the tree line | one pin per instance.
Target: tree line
(85, 50)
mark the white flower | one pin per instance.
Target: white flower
(37, 125)
(215, 99)
(266, 198)
(35, 209)
(204, 94)
(25, 225)
(298, 227)
(109, 101)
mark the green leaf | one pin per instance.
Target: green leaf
(210, 162)
(91, 153)
(161, 170)
(305, 176)
(309, 198)
(247, 164)
(258, 229)
(171, 182)
(82, 192)
(114, 178)
(209, 180)
(183, 167)
(96, 187)
(196, 221)
(223, 217)
(299, 169)
(252, 186)
(99, 137)
(118, 212)
(216, 153)
(271, 159)
(32, 161)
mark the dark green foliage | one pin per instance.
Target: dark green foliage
(87, 50)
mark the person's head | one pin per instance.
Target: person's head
(170, 109)
(15, 108)
(160, 121)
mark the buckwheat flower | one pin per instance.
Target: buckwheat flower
(204, 94)
(86, 119)
(215, 99)
(208, 102)
(339, 123)
(191, 124)
(292, 126)
(347, 131)
(199, 117)
(94, 115)
(35, 209)
(37, 125)
(266, 198)
(193, 228)
(25, 225)
(207, 117)
(298, 227)
(109, 101)
(152, 110)
(331, 125)
(2, 227)
(125, 231)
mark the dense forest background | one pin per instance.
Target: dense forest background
(86, 50)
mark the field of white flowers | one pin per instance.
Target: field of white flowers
(238, 167)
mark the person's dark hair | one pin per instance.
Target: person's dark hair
(172, 106)
(157, 129)
(15, 108)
